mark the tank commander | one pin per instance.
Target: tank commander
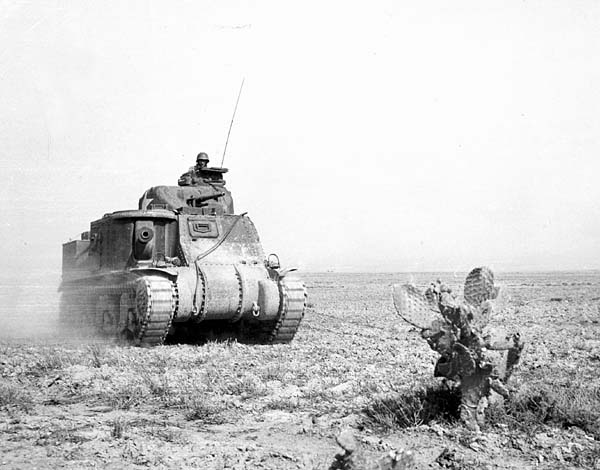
(200, 173)
(201, 162)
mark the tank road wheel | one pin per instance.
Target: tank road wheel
(155, 307)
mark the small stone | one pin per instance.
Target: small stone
(543, 440)
(476, 447)
(346, 441)
(341, 389)
(350, 420)
(437, 429)
(557, 453)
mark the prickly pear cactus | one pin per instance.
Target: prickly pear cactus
(457, 334)
(479, 286)
(413, 306)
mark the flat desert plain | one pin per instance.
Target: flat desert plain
(354, 365)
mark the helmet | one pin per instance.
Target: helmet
(202, 157)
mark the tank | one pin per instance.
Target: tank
(183, 267)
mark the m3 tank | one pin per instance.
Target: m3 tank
(183, 267)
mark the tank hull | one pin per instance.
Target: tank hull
(153, 275)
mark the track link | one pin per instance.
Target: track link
(291, 311)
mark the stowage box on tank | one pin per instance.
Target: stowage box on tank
(182, 267)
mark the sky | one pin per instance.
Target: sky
(370, 136)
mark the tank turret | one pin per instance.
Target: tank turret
(181, 267)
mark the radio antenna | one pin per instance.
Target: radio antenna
(231, 124)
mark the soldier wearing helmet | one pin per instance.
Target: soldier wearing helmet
(201, 162)
(192, 176)
(200, 173)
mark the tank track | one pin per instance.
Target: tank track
(153, 305)
(156, 305)
(293, 303)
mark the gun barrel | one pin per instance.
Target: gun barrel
(208, 197)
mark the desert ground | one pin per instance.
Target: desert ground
(354, 365)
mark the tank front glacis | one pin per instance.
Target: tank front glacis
(182, 266)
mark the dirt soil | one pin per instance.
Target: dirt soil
(86, 404)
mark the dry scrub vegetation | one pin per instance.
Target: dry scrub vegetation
(354, 364)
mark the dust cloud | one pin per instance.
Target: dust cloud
(29, 300)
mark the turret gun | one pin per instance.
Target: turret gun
(201, 201)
